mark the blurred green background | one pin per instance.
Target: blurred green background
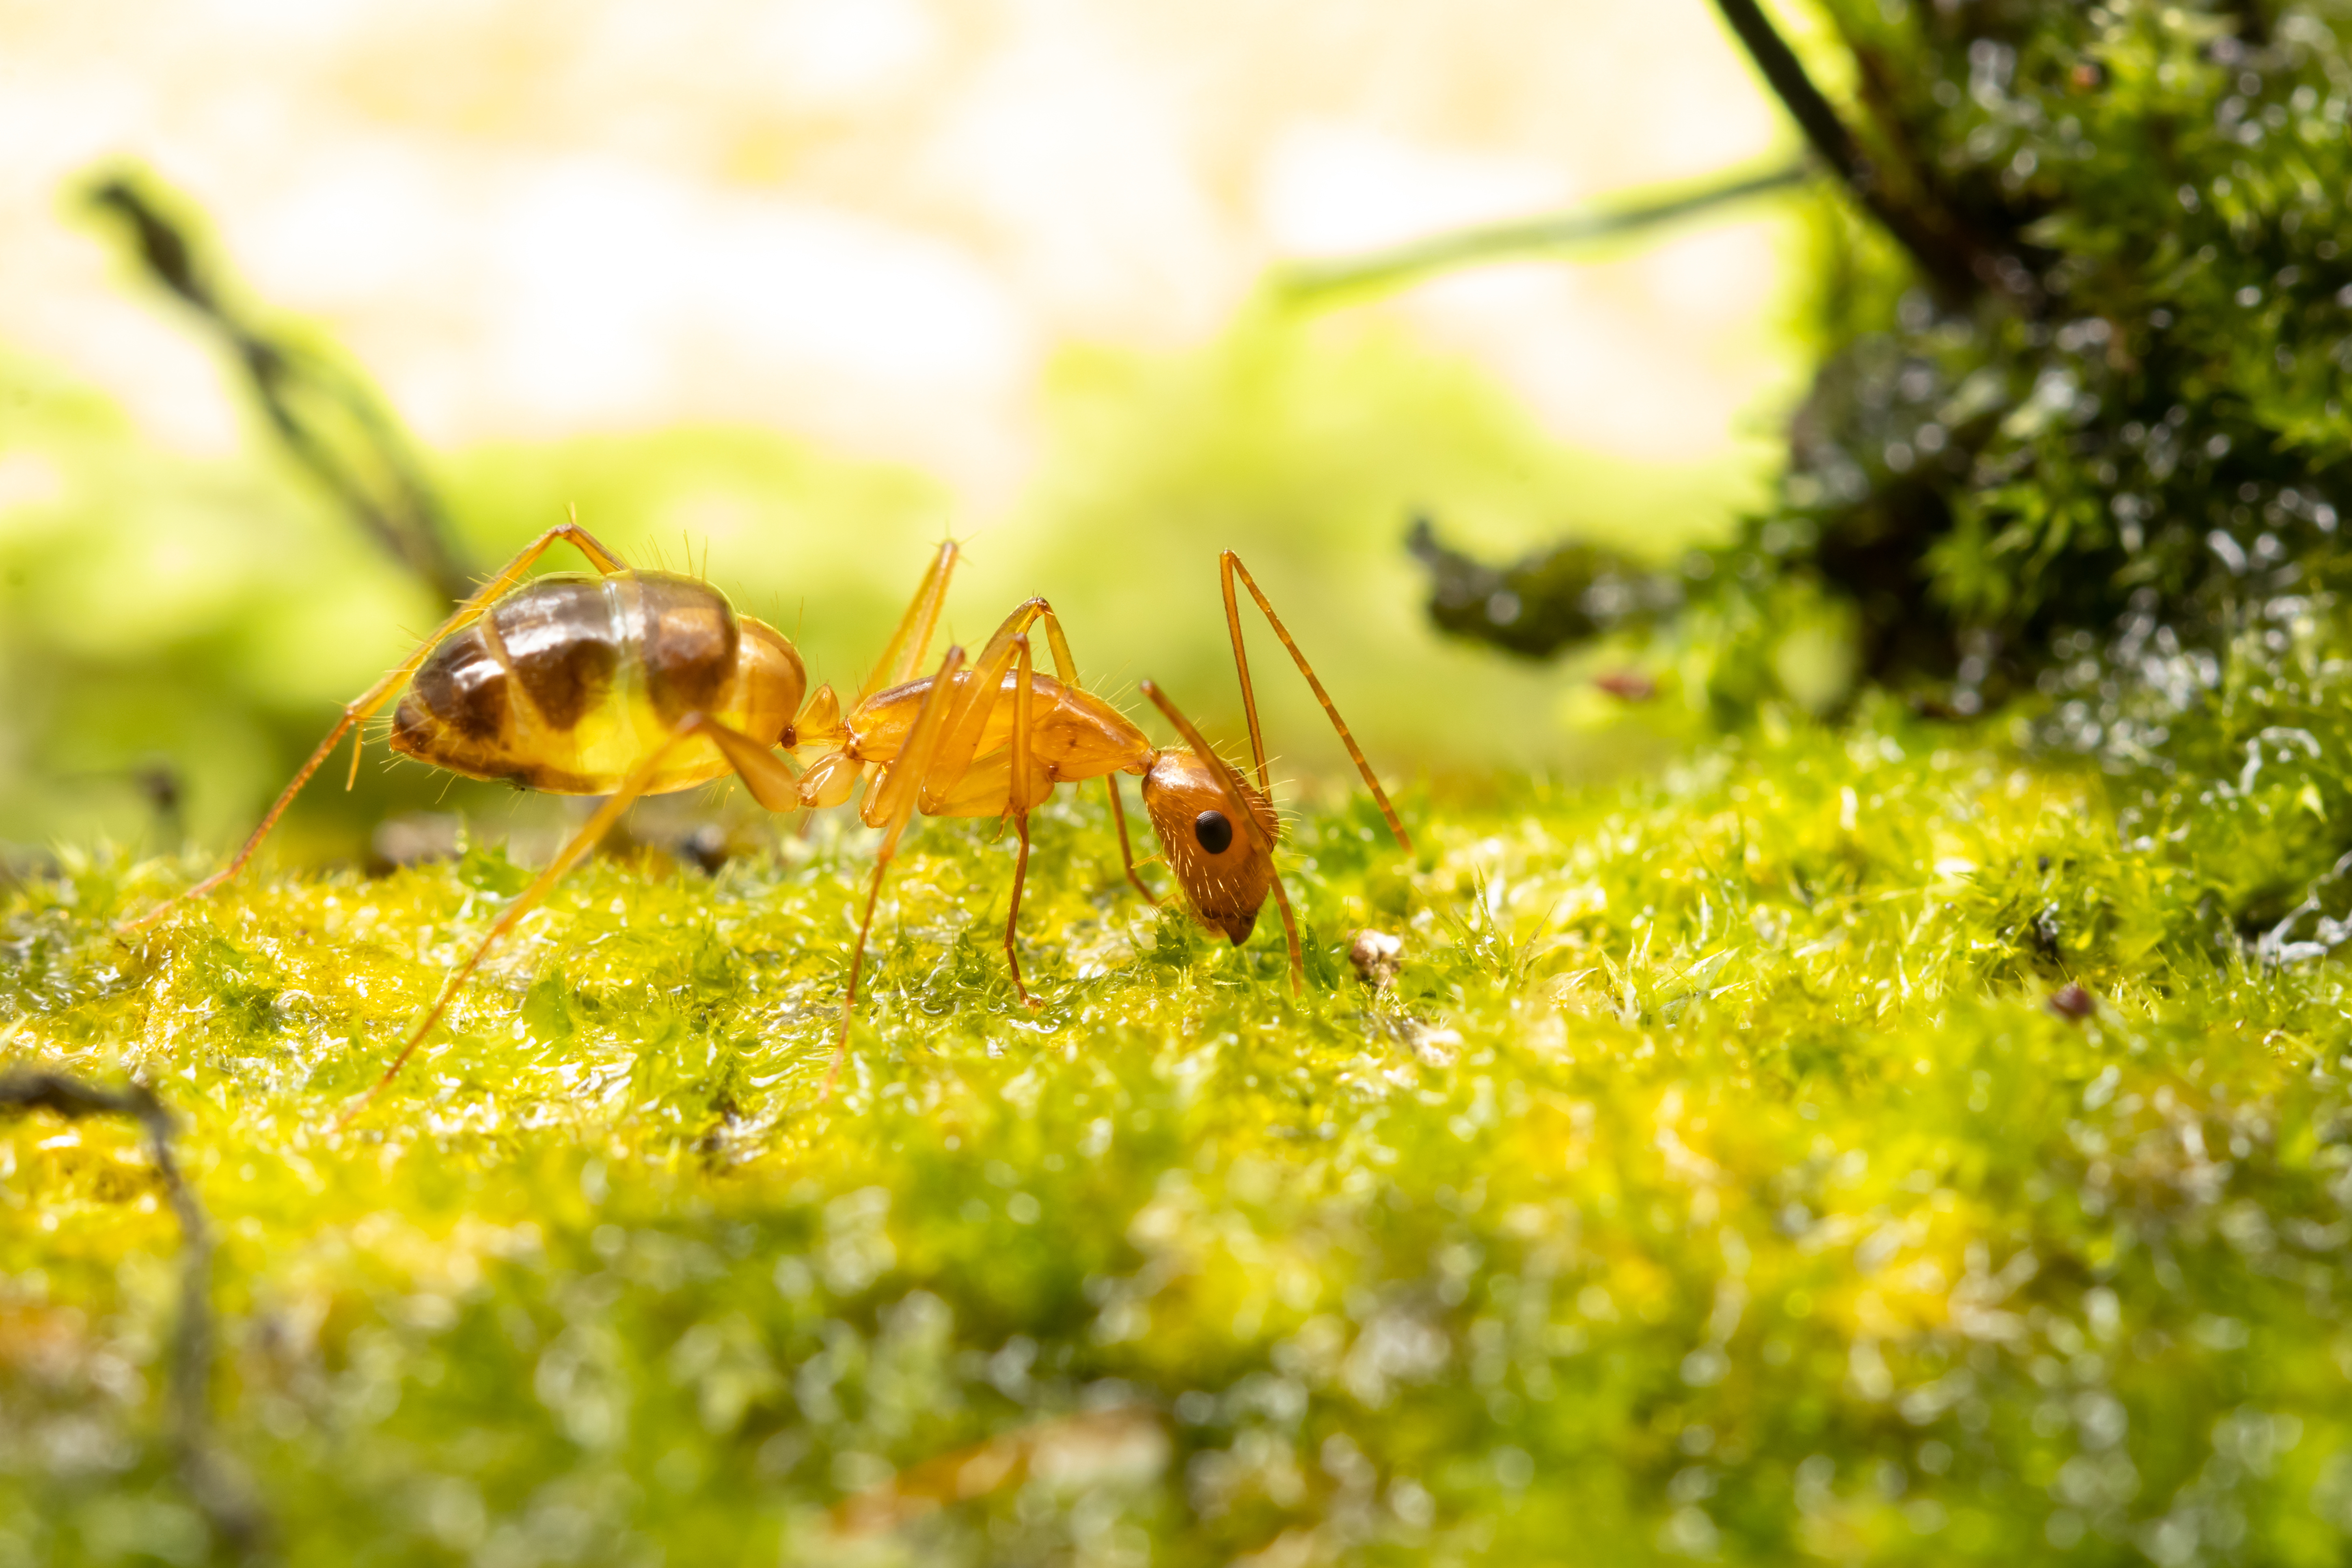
(181, 607)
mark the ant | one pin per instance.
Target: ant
(625, 683)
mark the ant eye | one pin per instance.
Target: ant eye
(1215, 834)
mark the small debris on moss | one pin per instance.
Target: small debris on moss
(1377, 957)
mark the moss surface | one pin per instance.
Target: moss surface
(1718, 1179)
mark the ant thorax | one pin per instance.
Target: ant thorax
(1072, 735)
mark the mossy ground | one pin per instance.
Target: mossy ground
(1763, 1208)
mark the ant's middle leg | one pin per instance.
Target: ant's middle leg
(1017, 804)
(945, 764)
(763, 772)
(360, 709)
(1013, 915)
(890, 805)
(981, 697)
(1066, 668)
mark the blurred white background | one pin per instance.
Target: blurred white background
(1005, 248)
(872, 221)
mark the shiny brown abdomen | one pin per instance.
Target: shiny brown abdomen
(570, 682)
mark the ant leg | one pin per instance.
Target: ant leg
(1066, 668)
(1030, 613)
(1125, 849)
(998, 653)
(1064, 665)
(950, 762)
(1017, 803)
(975, 703)
(360, 709)
(890, 804)
(967, 721)
(765, 775)
(763, 772)
(967, 718)
(911, 641)
(1038, 611)
(1012, 916)
(1229, 565)
(1230, 783)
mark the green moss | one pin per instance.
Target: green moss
(1763, 1206)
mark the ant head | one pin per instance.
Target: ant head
(1225, 874)
(771, 678)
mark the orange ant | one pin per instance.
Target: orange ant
(627, 683)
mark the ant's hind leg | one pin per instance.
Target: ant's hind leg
(360, 709)
(763, 773)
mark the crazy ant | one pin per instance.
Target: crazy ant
(625, 683)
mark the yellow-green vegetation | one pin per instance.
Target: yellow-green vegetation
(1727, 1173)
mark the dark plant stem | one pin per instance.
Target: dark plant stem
(1958, 264)
(213, 1480)
(367, 464)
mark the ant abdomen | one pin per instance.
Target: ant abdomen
(570, 680)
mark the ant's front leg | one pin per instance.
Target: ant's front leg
(1229, 567)
(1039, 612)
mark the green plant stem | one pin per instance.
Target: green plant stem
(1502, 241)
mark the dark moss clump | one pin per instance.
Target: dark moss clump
(2095, 394)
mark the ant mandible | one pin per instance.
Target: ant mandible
(628, 683)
